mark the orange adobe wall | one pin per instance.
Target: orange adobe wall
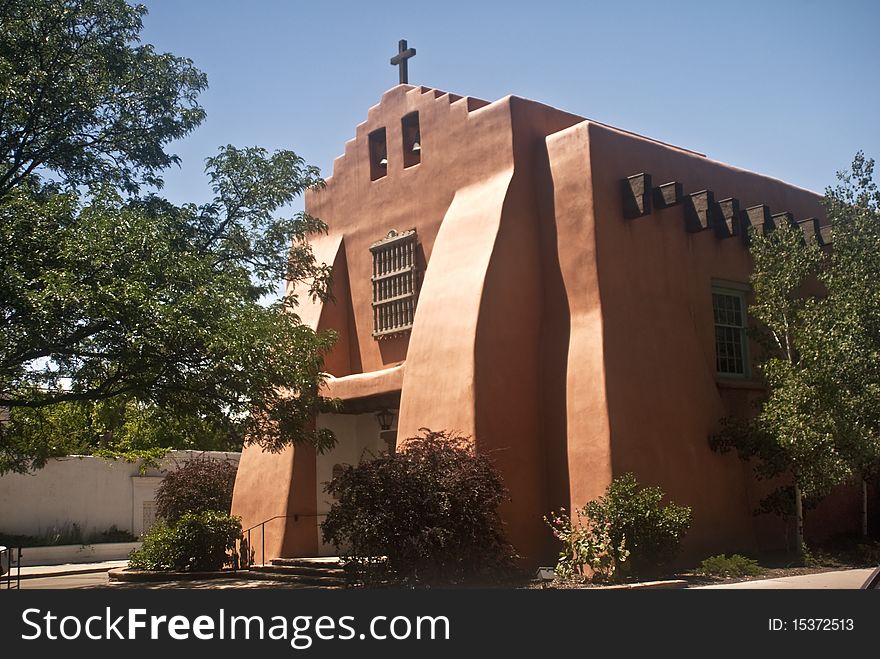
(571, 343)
(656, 278)
(474, 349)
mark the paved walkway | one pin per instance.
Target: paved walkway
(841, 579)
(35, 571)
(94, 575)
(91, 580)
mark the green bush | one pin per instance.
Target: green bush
(196, 542)
(868, 552)
(200, 484)
(628, 532)
(736, 565)
(637, 520)
(428, 513)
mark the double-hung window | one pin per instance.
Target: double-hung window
(731, 343)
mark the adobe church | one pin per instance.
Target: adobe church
(569, 294)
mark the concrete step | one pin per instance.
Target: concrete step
(321, 563)
(320, 572)
(270, 573)
(305, 571)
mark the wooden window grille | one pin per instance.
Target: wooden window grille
(395, 283)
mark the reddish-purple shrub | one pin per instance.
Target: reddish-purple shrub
(428, 513)
(200, 485)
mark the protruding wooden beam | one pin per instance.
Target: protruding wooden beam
(668, 194)
(810, 228)
(757, 218)
(782, 218)
(729, 210)
(636, 195)
(697, 210)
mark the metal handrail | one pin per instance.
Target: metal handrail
(262, 525)
(7, 551)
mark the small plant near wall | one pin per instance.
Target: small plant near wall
(66, 534)
(628, 532)
(735, 565)
(587, 551)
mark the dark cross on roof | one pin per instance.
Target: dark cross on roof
(403, 54)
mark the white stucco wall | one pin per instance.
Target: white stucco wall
(357, 439)
(92, 492)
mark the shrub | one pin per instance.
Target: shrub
(736, 565)
(637, 519)
(199, 485)
(428, 513)
(868, 552)
(66, 534)
(196, 542)
(112, 534)
(586, 551)
(628, 532)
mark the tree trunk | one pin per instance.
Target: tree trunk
(799, 520)
(864, 507)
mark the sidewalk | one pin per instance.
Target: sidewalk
(36, 571)
(841, 579)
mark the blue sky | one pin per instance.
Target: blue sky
(789, 89)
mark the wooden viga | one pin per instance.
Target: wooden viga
(702, 212)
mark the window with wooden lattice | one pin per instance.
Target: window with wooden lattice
(395, 283)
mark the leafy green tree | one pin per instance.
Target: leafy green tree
(793, 432)
(819, 322)
(850, 329)
(31, 439)
(142, 299)
(117, 427)
(81, 98)
(109, 293)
